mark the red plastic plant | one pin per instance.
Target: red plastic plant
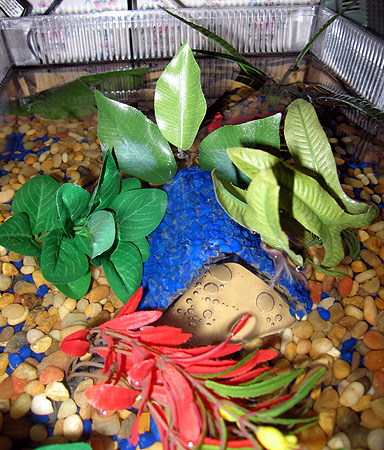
(197, 396)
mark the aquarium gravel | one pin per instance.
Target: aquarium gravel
(195, 234)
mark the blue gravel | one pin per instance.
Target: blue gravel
(195, 234)
(324, 313)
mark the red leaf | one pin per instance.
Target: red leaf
(140, 371)
(272, 402)
(110, 357)
(232, 444)
(240, 324)
(131, 321)
(76, 343)
(259, 357)
(251, 375)
(164, 334)
(132, 303)
(108, 397)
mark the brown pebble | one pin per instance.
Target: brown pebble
(98, 293)
(313, 438)
(374, 340)
(370, 420)
(341, 369)
(336, 312)
(374, 360)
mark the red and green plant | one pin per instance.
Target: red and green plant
(205, 397)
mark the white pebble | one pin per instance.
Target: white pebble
(339, 441)
(73, 427)
(375, 439)
(285, 339)
(33, 335)
(352, 394)
(41, 405)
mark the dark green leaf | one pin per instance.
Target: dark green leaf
(71, 446)
(37, 198)
(140, 148)
(102, 226)
(262, 134)
(255, 389)
(61, 260)
(16, 235)
(78, 288)
(180, 105)
(352, 242)
(143, 246)
(76, 98)
(139, 212)
(84, 240)
(124, 270)
(129, 184)
(71, 202)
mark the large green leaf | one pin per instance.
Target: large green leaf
(61, 261)
(262, 134)
(102, 227)
(129, 184)
(140, 148)
(262, 214)
(78, 288)
(71, 202)
(180, 105)
(143, 246)
(304, 198)
(312, 152)
(139, 212)
(16, 235)
(124, 270)
(76, 98)
(108, 186)
(37, 198)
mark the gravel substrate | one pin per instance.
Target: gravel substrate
(343, 329)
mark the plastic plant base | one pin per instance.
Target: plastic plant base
(221, 297)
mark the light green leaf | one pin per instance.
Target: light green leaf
(16, 235)
(109, 184)
(255, 389)
(37, 198)
(312, 152)
(84, 240)
(139, 212)
(231, 198)
(262, 214)
(78, 288)
(129, 184)
(61, 260)
(180, 105)
(102, 227)
(71, 446)
(71, 202)
(124, 270)
(140, 148)
(262, 134)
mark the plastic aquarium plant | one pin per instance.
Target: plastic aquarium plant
(276, 199)
(198, 397)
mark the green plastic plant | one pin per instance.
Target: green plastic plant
(300, 198)
(63, 226)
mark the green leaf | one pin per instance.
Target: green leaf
(129, 184)
(312, 152)
(180, 105)
(231, 198)
(76, 98)
(71, 202)
(352, 242)
(124, 270)
(143, 246)
(71, 446)
(78, 288)
(262, 134)
(16, 235)
(253, 390)
(37, 198)
(140, 148)
(84, 240)
(102, 226)
(139, 212)
(108, 186)
(262, 214)
(252, 71)
(61, 260)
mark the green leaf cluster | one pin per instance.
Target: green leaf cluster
(66, 228)
(308, 193)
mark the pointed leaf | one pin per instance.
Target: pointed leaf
(84, 241)
(71, 202)
(312, 152)
(102, 227)
(180, 105)
(262, 134)
(37, 198)
(16, 235)
(143, 246)
(107, 397)
(140, 148)
(140, 371)
(139, 212)
(61, 260)
(132, 303)
(128, 184)
(132, 321)
(76, 289)
(162, 334)
(262, 214)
